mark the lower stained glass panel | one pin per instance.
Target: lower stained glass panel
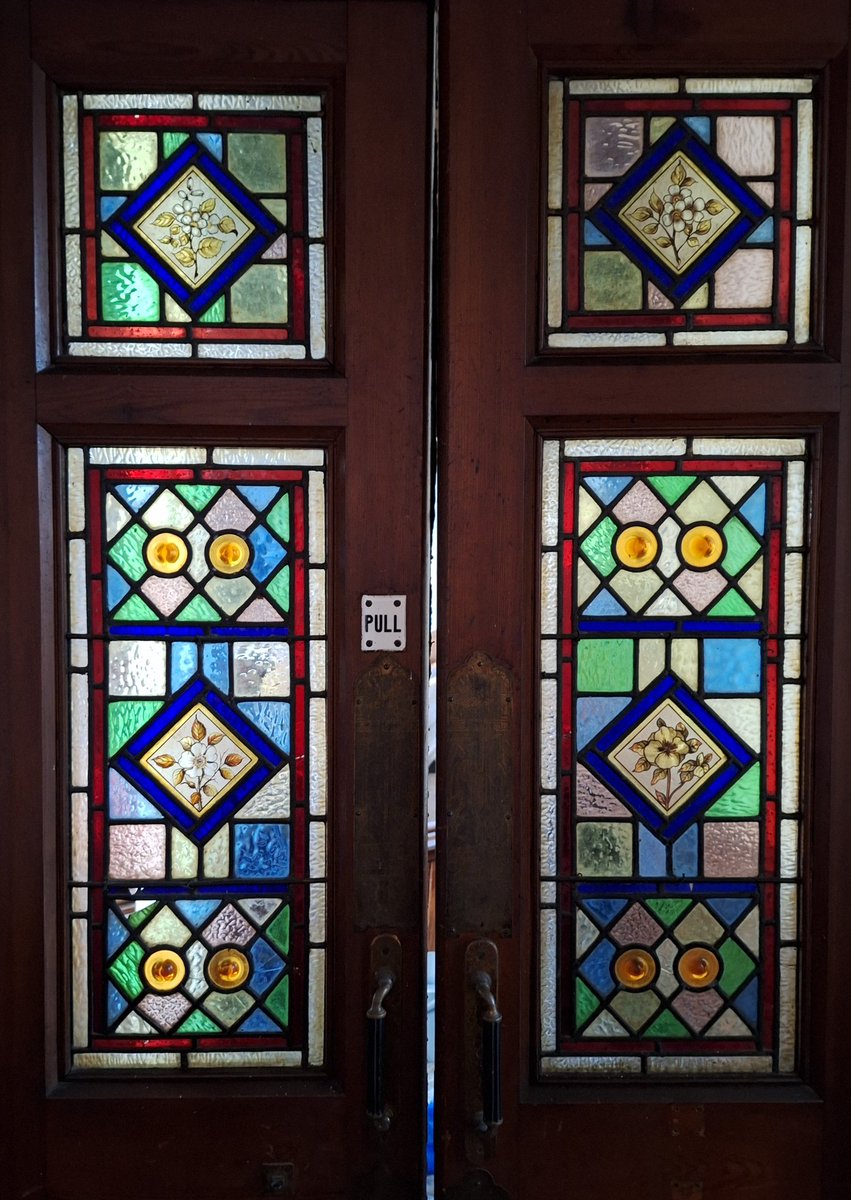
(198, 758)
(672, 638)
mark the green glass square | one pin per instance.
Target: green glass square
(126, 160)
(612, 282)
(128, 293)
(260, 296)
(605, 665)
(259, 160)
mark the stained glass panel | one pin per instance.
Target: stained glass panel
(194, 226)
(198, 757)
(672, 639)
(679, 212)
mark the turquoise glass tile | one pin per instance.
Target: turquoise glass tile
(136, 494)
(116, 587)
(258, 495)
(607, 487)
(261, 850)
(184, 663)
(196, 911)
(593, 236)
(604, 604)
(115, 1003)
(753, 510)
(273, 717)
(116, 935)
(268, 552)
(700, 125)
(216, 665)
(593, 713)
(732, 666)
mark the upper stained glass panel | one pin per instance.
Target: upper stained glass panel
(194, 226)
(679, 213)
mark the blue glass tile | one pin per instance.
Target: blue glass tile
(732, 666)
(273, 717)
(753, 510)
(116, 934)
(607, 487)
(593, 236)
(136, 494)
(149, 631)
(117, 587)
(259, 1022)
(763, 233)
(197, 911)
(109, 205)
(596, 969)
(640, 626)
(268, 966)
(115, 1003)
(604, 909)
(729, 909)
(746, 1003)
(213, 142)
(127, 802)
(604, 604)
(216, 664)
(593, 713)
(652, 859)
(684, 857)
(700, 125)
(721, 626)
(260, 497)
(261, 850)
(184, 663)
(268, 552)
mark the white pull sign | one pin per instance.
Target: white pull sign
(382, 622)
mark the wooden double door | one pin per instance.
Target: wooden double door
(639, 985)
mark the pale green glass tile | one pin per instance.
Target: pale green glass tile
(128, 293)
(136, 1025)
(137, 668)
(605, 665)
(548, 980)
(173, 311)
(316, 258)
(316, 594)
(666, 604)
(803, 282)
(126, 159)
(698, 926)
(259, 160)
(167, 512)
(230, 594)
(635, 588)
(260, 295)
(745, 280)
(586, 582)
(555, 143)
(549, 704)
(316, 1009)
(702, 504)
(684, 660)
(804, 190)
(77, 598)
(318, 758)
(184, 856)
(555, 282)
(165, 929)
(791, 748)
(589, 511)
(277, 207)
(217, 855)
(79, 731)
(612, 282)
(71, 161)
(698, 298)
(80, 982)
(548, 834)
(748, 931)
(651, 660)
(744, 716)
(228, 1007)
(635, 1008)
(746, 144)
(604, 849)
(658, 126)
(109, 248)
(73, 285)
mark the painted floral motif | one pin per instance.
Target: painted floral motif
(192, 226)
(664, 752)
(681, 218)
(200, 763)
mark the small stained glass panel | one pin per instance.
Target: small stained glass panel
(198, 757)
(672, 642)
(194, 226)
(678, 213)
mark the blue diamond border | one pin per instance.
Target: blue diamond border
(194, 300)
(197, 691)
(678, 139)
(668, 688)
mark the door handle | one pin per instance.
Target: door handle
(385, 962)
(484, 1025)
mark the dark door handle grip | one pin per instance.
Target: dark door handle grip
(376, 1016)
(491, 1026)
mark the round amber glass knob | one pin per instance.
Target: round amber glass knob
(228, 969)
(166, 553)
(699, 967)
(164, 970)
(635, 969)
(701, 546)
(636, 546)
(229, 554)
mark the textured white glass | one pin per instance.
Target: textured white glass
(549, 593)
(588, 1064)
(316, 592)
(137, 668)
(793, 585)
(77, 608)
(144, 455)
(138, 100)
(744, 86)
(790, 783)
(80, 982)
(249, 350)
(684, 660)
(76, 492)
(792, 659)
(795, 504)
(748, 446)
(745, 1064)
(803, 282)
(788, 1006)
(548, 980)
(316, 849)
(79, 837)
(549, 657)
(788, 912)
(231, 103)
(217, 855)
(316, 1009)
(588, 511)
(788, 848)
(168, 512)
(743, 716)
(129, 350)
(318, 758)
(746, 144)
(316, 516)
(555, 127)
(732, 337)
(261, 669)
(315, 198)
(548, 833)
(79, 900)
(549, 739)
(74, 284)
(554, 271)
(117, 516)
(317, 912)
(578, 341)
(317, 666)
(804, 189)
(651, 660)
(165, 928)
(272, 801)
(316, 257)
(586, 582)
(623, 447)
(238, 1058)
(79, 731)
(71, 145)
(549, 493)
(264, 456)
(622, 87)
(141, 1062)
(184, 856)
(79, 653)
(549, 892)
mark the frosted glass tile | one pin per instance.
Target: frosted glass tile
(243, 350)
(752, 581)
(586, 583)
(588, 511)
(316, 517)
(318, 667)
(233, 103)
(743, 1064)
(318, 759)
(732, 337)
(316, 1008)
(315, 197)
(79, 837)
(71, 159)
(138, 100)
(792, 659)
(549, 657)
(788, 1007)
(549, 593)
(126, 159)
(795, 504)
(317, 301)
(165, 929)
(744, 717)
(184, 856)
(804, 190)
(548, 834)
(264, 456)
(261, 669)
(79, 654)
(789, 848)
(549, 493)
(684, 660)
(217, 855)
(316, 592)
(74, 284)
(790, 749)
(788, 912)
(748, 447)
(587, 1064)
(77, 599)
(137, 668)
(316, 852)
(178, 456)
(167, 512)
(548, 981)
(317, 913)
(747, 144)
(215, 1059)
(272, 801)
(118, 1060)
(793, 588)
(745, 280)
(549, 702)
(116, 516)
(579, 341)
(549, 892)
(137, 851)
(79, 900)
(623, 447)
(764, 190)
(699, 85)
(129, 350)
(622, 87)
(555, 139)
(803, 282)
(79, 732)
(198, 566)
(651, 660)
